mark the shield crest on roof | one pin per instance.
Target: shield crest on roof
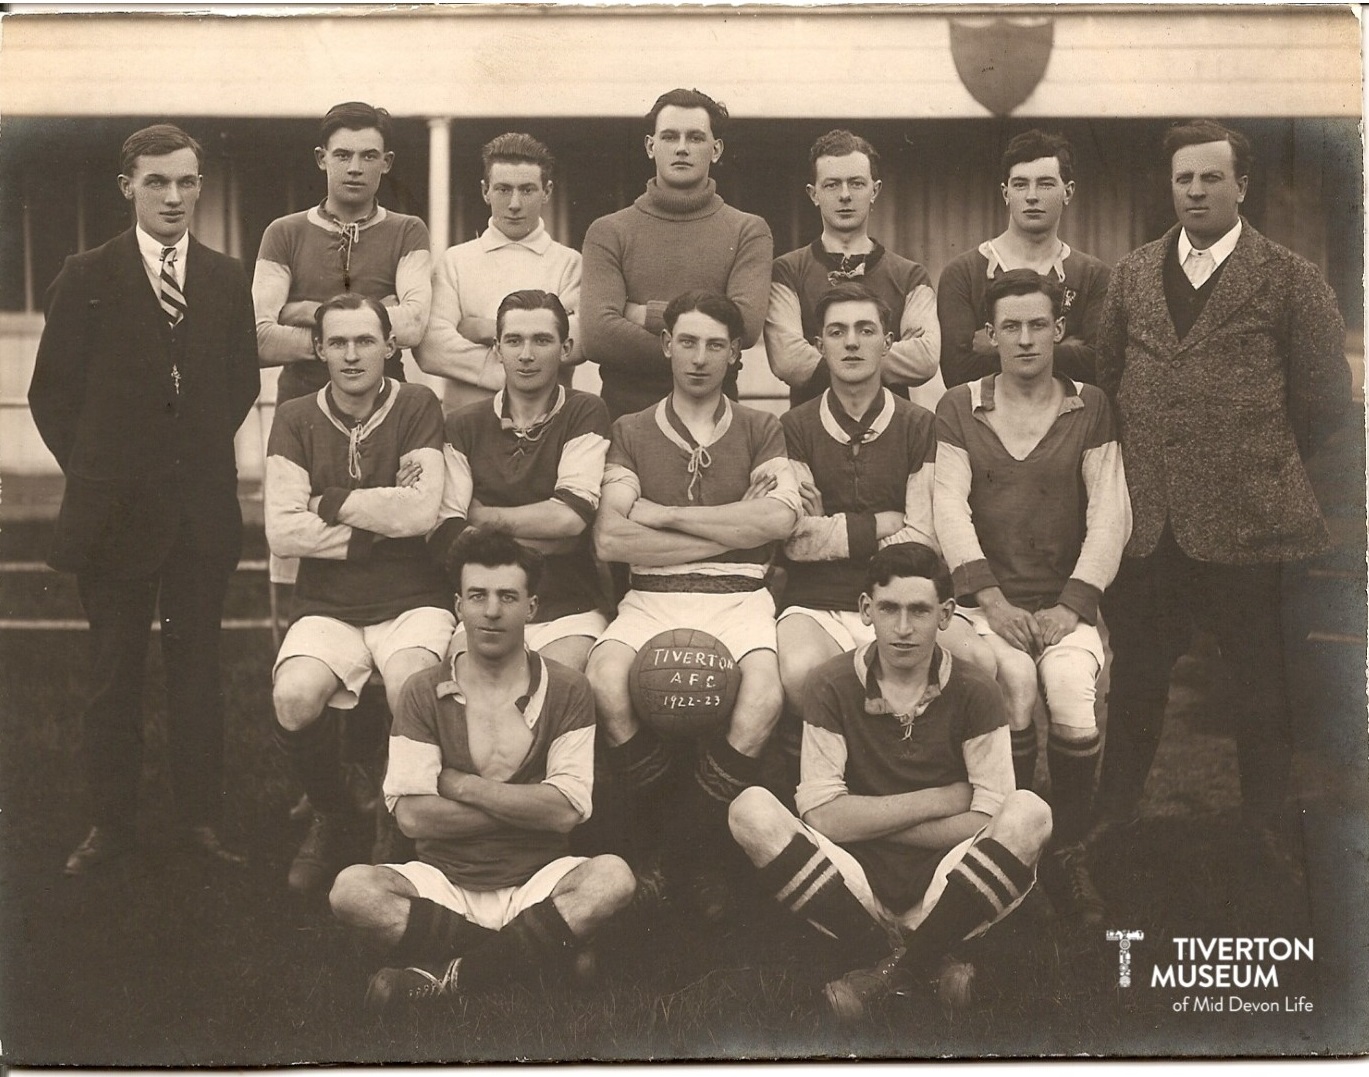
(1001, 60)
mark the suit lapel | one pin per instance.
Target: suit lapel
(1159, 327)
(199, 287)
(148, 322)
(1242, 276)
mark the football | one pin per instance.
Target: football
(684, 682)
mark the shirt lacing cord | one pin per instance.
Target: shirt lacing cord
(349, 234)
(699, 461)
(527, 436)
(354, 452)
(348, 238)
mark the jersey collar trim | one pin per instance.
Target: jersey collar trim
(530, 704)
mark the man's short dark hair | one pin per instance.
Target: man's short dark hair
(354, 116)
(350, 301)
(491, 549)
(156, 141)
(682, 98)
(718, 307)
(533, 299)
(1032, 146)
(842, 143)
(1023, 282)
(909, 559)
(1197, 132)
(514, 147)
(850, 292)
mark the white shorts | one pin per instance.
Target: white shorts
(1085, 636)
(491, 909)
(845, 627)
(590, 623)
(741, 622)
(854, 877)
(352, 653)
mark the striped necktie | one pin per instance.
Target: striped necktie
(170, 296)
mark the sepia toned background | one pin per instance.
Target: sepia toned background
(159, 965)
(251, 89)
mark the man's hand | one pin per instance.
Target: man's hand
(299, 314)
(648, 513)
(888, 523)
(635, 313)
(982, 345)
(812, 499)
(479, 330)
(760, 486)
(478, 513)
(1013, 624)
(1055, 624)
(451, 782)
(409, 473)
(958, 797)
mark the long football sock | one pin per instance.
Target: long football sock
(1073, 766)
(313, 755)
(643, 765)
(1024, 756)
(436, 933)
(696, 829)
(536, 938)
(978, 890)
(809, 885)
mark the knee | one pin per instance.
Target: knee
(403, 666)
(614, 882)
(1017, 672)
(297, 704)
(1070, 680)
(352, 892)
(607, 673)
(760, 700)
(796, 661)
(980, 655)
(758, 821)
(1025, 822)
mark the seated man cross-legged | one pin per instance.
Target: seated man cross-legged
(531, 463)
(491, 765)
(1032, 511)
(912, 834)
(696, 491)
(353, 484)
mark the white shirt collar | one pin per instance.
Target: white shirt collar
(537, 241)
(1220, 251)
(996, 262)
(151, 250)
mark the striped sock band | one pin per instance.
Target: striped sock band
(978, 891)
(809, 885)
(537, 937)
(435, 933)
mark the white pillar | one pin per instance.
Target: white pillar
(439, 220)
(440, 183)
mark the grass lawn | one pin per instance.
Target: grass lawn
(161, 960)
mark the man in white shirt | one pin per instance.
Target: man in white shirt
(471, 279)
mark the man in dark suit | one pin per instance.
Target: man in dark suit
(146, 368)
(1225, 355)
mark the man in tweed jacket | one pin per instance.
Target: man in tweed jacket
(1224, 354)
